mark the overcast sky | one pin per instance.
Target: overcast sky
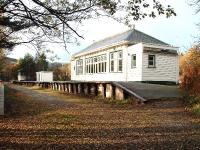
(178, 31)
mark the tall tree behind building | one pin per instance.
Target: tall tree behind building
(41, 62)
(27, 67)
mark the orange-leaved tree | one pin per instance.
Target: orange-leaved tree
(190, 71)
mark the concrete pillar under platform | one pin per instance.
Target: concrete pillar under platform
(56, 86)
(93, 89)
(70, 88)
(63, 85)
(86, 89)
(59, 87)
(53, 84)
(80, 88)
(75, 88)
(66, 88)
(101, 90)
(119, 93)
(109, 91)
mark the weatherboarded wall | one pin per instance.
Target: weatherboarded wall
(167, 68)
(1, 99)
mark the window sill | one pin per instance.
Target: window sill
(133, 67)
(150, 67)
(117, 72)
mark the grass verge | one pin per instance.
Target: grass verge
(194, 104)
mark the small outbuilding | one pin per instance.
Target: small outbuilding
(44, 76)
(21, 77)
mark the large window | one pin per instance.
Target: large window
(79, 67)
(116, 61)
(96, 64)
(151, 61)
(119, 64)
(133, 61)
(89, 65)
(112, 62)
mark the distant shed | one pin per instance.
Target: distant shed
(44, 76)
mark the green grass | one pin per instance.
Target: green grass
(194, 104)
(196, 109)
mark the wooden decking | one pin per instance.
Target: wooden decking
(146, 91)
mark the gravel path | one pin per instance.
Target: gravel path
(41, 120)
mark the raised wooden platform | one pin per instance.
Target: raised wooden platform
(114, 90)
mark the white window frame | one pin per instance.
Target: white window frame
(115, 57)
(133, 61)
(119, 58)
(154, 61)
(79, 67)
(96, 64)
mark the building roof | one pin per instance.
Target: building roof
(131, 37)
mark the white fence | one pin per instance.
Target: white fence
(1, 99)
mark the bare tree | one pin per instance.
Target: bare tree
(58, 20)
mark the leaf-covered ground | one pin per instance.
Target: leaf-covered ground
(42, 119)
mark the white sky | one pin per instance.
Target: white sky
(178, 31)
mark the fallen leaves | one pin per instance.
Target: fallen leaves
(38, 120)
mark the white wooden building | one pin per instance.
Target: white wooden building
(44, 76)
(20, 76)
(129, 56)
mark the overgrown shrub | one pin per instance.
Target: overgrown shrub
(190, 78)
(190, 71)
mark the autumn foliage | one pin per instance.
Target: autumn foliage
(190, 71)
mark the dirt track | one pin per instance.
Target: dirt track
(37, 119)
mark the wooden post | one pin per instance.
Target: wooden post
(109, 91)
(119, 93)
(86, 89)
(101, 90)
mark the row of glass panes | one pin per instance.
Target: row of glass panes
(96, 64)
(96, 68)
(96, 59)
